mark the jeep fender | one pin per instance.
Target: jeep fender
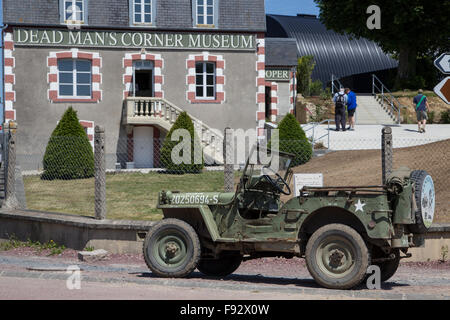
(199, 217)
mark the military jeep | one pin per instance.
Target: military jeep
(340, 231)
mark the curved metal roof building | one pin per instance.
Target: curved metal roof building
(334, 53)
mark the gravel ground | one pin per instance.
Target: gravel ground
(423, 280)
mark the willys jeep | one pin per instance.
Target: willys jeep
(340, 231)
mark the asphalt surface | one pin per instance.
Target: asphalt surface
(119, 277)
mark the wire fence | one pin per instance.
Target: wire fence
(62, 179)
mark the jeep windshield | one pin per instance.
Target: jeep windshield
(266, 162)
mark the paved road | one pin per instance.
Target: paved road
(271, 279)
(369, 136)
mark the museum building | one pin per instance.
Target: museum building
(132, 66)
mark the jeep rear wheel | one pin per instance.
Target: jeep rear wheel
(219, 267)
(387, 267)
(172, 249)
(337, 257)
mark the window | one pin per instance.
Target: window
(205, 12)
(74, 11)
(142, 11)
(74, 78)
(205, 80)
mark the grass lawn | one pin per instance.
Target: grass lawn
(129, 196)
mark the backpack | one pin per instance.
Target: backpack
(340, 101)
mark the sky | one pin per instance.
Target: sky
(291, 7)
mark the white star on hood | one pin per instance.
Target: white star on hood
(359, 206)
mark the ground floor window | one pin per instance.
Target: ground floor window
(74, 78)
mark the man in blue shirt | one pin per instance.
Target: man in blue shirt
(421, 106)
(351, 108)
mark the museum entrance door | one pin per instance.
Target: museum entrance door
(143, 78)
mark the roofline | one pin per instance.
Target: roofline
(91, 27)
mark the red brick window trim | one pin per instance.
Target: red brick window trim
(219, 62)
(158, 65)
(53, 81)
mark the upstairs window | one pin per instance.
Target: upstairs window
(75, 78)
(205, 80)
(73, 11)
(205, 13)
(142, 12)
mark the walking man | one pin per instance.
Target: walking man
(421, 104)
(351, 108)
(340, 100)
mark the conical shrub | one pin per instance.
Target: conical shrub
(68, 154)
(196, 153)
(292, 139)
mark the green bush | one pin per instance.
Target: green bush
(183, 122)
(445, 117)
(316, 88)
(68, 154)
(431, 117)
(292, 139)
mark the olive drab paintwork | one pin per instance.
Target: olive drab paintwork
(254, 219)
(340, 231)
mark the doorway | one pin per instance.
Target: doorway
(143, 147)
(268, 101)
(143, 79)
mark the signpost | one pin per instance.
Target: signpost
(443, 90)
(307, 179)
(443, 87)
(443, 63)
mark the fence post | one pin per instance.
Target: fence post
(10, 195)
(100, 173)
(228, 170)
(386, 153)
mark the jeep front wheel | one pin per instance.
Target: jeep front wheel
(172, 249)
(219, 267)
(337, 257)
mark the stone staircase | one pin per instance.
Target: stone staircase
(370, 111)
(161, 112)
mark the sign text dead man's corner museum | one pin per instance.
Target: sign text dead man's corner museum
(159, 40)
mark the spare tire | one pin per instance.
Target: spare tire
(425, 201)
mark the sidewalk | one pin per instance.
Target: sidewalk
(369, 136)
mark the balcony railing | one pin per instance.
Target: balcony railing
(159, 111)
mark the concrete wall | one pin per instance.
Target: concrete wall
(37, 116)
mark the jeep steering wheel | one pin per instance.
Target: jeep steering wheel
(276, 183)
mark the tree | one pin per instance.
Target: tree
(68, 154)
(292, 139)
(409, 29)
(191, 165)
(305, 68)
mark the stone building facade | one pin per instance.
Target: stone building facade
(132, 66)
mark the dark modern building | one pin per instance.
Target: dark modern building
(353, 61)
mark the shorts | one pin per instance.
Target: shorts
(351, 112)
(421, 115)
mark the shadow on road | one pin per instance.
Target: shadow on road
(260, 279)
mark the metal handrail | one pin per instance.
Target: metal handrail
(313, 127)
(387, 96)
(333, 85)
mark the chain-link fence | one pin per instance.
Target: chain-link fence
(137, 169)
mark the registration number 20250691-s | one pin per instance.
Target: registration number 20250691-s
(195, 198)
